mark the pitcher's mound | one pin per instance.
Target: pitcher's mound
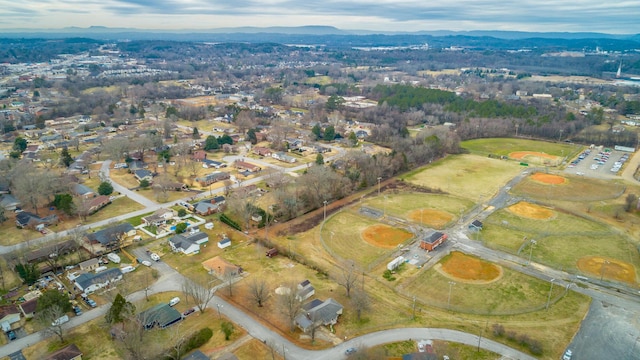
(606, 268)
(549, 179)
(433, 218)
(531, 211)
(468, 269)
(385, 236)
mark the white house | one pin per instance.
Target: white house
(225, 242)
(188, 243)
(91, 282)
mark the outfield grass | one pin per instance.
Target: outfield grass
(466, 176)
(342, 234)
(320, 80)
(505, 146)
(401, 205)
(574, 189)
(513, 293)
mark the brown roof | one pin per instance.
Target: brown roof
(8, 310)
(98, 201)
(66, 353)
(29, 307)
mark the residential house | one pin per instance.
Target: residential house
(213, 164)
(212, 178)
(225, 242)
(69, 352)
(159, 217)
(137, 165)
(143, 174)
(9, 202)
(173, 186)
(243, 165)
(94, 204)
(199, 355)
(220, 267)
(188, 243)
(317, 313)
(209, 206)
(305, 290)
(321, 149)
(281, 156)
(432, 240)
(262, 151)
(91, 282)
(161, 315)
(89, 265)
(199, 155)
(105, 240)
(82, 191)
(28, 308)
(9, 315)
(58, 249)
(25, 219)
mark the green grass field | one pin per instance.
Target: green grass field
(320, 80)
(341, 234)
(466, 176)
(401, 205)
(512, 294)
(505, 146)
(575, 189)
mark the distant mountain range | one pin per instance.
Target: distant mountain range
(331, 36)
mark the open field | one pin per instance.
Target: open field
(506, 146)
(453, 350)
(575, 189)
(433, 210)
(343, 235)
(320, 80)
(512, 293)
(467, 176)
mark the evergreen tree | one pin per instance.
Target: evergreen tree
(330, 133)
(196, 133)
(65, 157)
(120, 309)
(251, 136)
(319, 159)
(105, 188)
(317, 131)
(211, 143)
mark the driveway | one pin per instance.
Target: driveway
(105, 174)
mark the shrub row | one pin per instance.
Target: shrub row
(225, 219)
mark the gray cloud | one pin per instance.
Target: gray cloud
(410, 15)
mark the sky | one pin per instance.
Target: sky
(615, 16)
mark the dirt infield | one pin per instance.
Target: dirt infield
(384, 236)
(433, 218)
(607, 268)
(531, 211)
(469, 269)
(520, 155)
(549, 179)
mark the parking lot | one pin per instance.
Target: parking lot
(598, 162)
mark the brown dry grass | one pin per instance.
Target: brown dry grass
(385, 236)
(524, 154)
(549, 178)
(608, 268)
(531, 211)
(431, 217)
(469, 269)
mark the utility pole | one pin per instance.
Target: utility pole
(606, 262)
(325, 211)
(451, 283)
(379, 178)
(549, 297)
(413, 317)
(532, 242)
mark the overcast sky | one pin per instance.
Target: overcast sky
(615, 16)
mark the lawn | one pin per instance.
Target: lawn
(342, 234)
(119, 206)
(466, 176)
(505, 146)
(513, 293)
(574, 189)
(409, 206)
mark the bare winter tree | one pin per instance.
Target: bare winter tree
(200, 291)
(229, 278)
(134, 341)
(347, 277)
(288, 304)
(50, 319)
(259, 291)
(360, 302)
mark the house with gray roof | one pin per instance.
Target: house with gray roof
(161, 315)
(83, 190)
(188, 243)
(90, 282)
(9, 202)
(317, 313)
(106, 239)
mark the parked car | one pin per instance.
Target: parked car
(77, 310)
(12, 335)
(145, 262)
(189, 312)
(350, 351)
(155, 257)
(567, 355)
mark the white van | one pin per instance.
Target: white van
(127, 269)
(114, 258)
(100, 269)
(174, 301)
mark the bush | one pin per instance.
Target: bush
(195, 341)
(181, 227)
(225, 219)
(498, 330)
(227, 328)
(105, 188)
(144, 183)
(388, 275)
(182, 213)
(535, 347)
